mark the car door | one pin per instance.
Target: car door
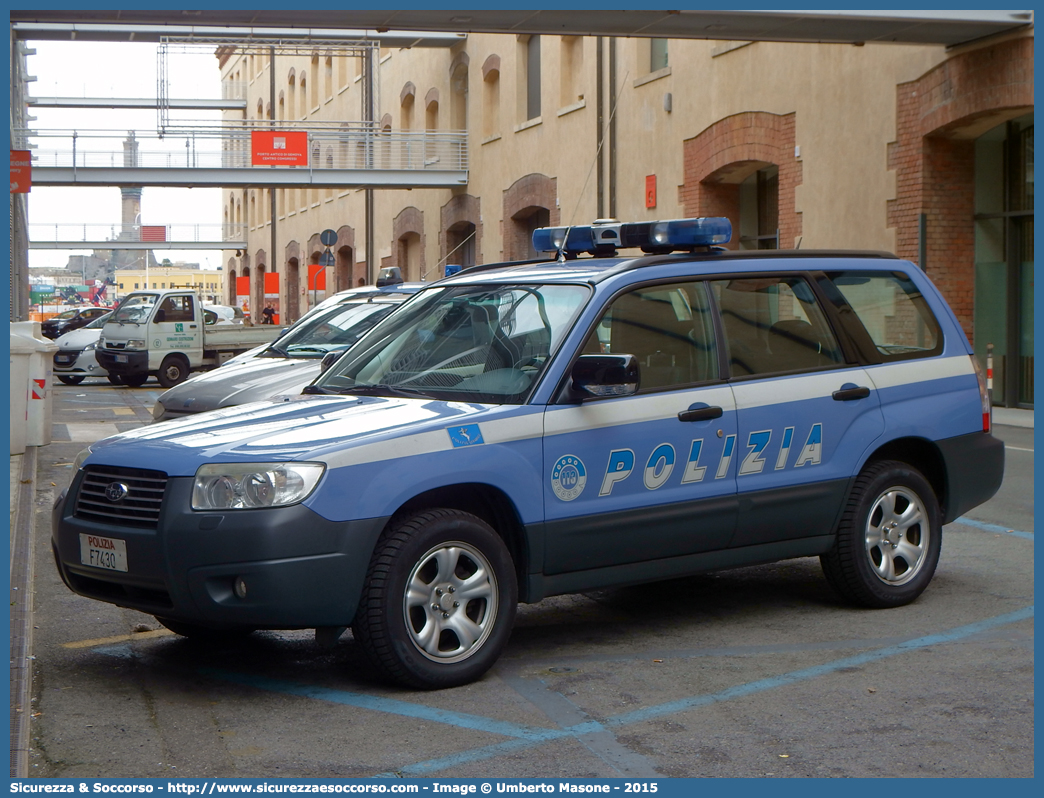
(175, 326)
(805, 416)
(644, 477)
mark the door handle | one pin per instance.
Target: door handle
(192, 326)
(700, 414)
(848, 394)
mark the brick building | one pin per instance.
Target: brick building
(920, 150)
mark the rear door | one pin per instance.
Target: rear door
(805, 416)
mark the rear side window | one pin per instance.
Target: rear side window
(774, 324)
(893, 311)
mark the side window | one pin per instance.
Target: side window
(176, 308)
(774, 324)
(893, 311)
(668, 328)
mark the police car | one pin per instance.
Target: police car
(523, 430)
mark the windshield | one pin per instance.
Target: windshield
(98, 323)
(479, 343)
(336, 328)
(134, 309)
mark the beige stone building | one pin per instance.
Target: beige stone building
(920, 150)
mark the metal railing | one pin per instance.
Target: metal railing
(355, 145)
(146, 233)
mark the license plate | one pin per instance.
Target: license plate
(121, 359)
(99, 552)
(62, 359)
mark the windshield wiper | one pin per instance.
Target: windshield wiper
(384, 390)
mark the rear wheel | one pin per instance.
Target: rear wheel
(889, 538)
(134, 380)
(172, 371)
(439, 600)
(70, 379)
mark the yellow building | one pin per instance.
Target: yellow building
(209, 283)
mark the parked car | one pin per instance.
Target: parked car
(223, 314)
(390, 275)
(288, 364)
(526, 430)
(75, 361)
(71, 320)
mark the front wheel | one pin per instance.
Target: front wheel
(439, 600)
(173, 370)
(70, 379)
(889, 538)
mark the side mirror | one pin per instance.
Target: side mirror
(329, 359)
(606, 375)
(161, 315)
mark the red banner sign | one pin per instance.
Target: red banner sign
(21, 171)
(278, 148)
(153, 232)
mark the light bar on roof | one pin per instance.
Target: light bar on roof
(604, 238)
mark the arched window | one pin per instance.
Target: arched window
(491, 97)
(314, 96)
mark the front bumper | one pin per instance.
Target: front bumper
(111, 361)
(300, 570)
(75, 361)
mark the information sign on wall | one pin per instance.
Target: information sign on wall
(278, 148)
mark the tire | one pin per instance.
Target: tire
(889, 538)
(411, 621)
(115, 379)
(195, 632)
(70, 379)
(172, 371)
(134, 380)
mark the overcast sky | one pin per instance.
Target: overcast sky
(109, 69)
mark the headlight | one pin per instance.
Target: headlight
(248, 486)
(83, 455)
(89, 347)
(135, 343)
(158, 410)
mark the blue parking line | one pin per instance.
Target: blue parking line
(531, 736)
(390, 706)
(804, 674)
(993, 528)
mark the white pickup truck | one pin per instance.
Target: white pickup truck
(162, 333)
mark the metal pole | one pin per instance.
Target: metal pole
(271, 191)
(989, 371)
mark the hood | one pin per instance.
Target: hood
(78, 339)
(239, 383)
(302, 428)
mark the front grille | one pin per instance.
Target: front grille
(140, 506)
(63, 356)
(115, 345)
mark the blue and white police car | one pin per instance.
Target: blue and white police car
(523, 430)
